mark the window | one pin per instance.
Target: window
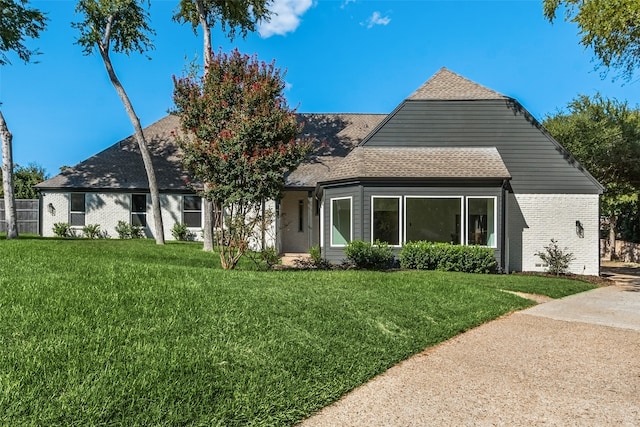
(433, 219)
(139, 209)
(481, 221)
(192, 211)
(78, 209)
(340, 221)
(385, 225)
(300, 216)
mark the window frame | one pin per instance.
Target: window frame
(83, 212)
(495, 221)
(201, 210)
(132, 212)
(333, 199)
(462, 213)
(400, 219)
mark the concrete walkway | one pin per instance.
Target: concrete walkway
(568, 362)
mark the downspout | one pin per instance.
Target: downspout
(504, 255)
(310, 218)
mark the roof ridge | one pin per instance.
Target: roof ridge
(448, 85)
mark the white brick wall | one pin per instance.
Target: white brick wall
(107, 209)
(535, 219)
(55, 208)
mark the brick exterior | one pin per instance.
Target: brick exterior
(535, 219)
(107, 209)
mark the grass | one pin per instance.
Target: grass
(130, 333)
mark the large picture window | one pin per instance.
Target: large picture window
(139, 209)
(340, 221)
(481, 221)
(385, 224)
(78, 209)
(192, 211)
(433, 219)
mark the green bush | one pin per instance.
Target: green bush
(314, 262)
(270, 257)
(180, 231)
(447, 257)
(364, 255)
(127, 231)
(63, 229)
(92, 231)
(556, 259)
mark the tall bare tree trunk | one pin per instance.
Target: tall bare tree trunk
(142, 143)
(209, 205)
(7, 180)
(612, 237)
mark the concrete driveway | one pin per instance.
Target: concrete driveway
(568, 362)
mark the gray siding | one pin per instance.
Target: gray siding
(536, 162)
(361, 209)
(336, 254)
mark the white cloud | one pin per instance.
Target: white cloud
(377, 19)
(285, 17)
(346, 2)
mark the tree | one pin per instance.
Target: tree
(18, 22)
(610, 27)
(122, 25)
(236, 15)
(604, 136)
(24, 178)
(239, 136)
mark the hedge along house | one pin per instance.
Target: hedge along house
(455, 162)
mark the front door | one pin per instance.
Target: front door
(295, 230)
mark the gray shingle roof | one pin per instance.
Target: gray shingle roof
(333, 137)
(334, 156)
(120, 166)
(447, 85)
(420, 162)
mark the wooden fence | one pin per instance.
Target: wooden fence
(625, 251)
(28, 213)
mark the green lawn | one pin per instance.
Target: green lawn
(111, 332)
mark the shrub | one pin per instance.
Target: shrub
(92, 231)
(378, 256)
(447, 257)
(181, 232)
(63, 229)
(270, 257)
(127, 231)
(557, 259)
(314, 262)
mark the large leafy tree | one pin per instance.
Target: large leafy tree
(239, 136)
(24, 179)
(233, 16)
(610, 27)
(18, 22)
(604, 136)
(122, 26)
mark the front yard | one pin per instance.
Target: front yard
(109, 332)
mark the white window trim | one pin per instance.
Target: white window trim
(76, 212)
(201, 211)
(350, 198)
(400, 219)
(322, 224)
(462, 215)
(495, 220)
(146, 207)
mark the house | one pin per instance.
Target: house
(454, 162)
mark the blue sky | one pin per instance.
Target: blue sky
(340, 56)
